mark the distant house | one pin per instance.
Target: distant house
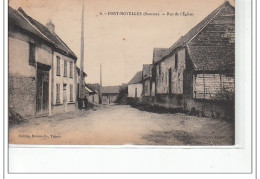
(78, 81)
(109, 94)
(94, 95)
(41, 68)
(135, 86)
(200, 65)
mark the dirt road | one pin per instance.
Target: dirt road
(122, 124)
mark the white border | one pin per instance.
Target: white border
(150, 159)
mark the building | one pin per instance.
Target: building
(42, 79)
(200, 66)
(148, 81)
(85, 92)
(135, 86)
(94, 96)
(109, 94)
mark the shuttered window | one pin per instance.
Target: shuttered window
(160, 70)
(31, 54)
(71, 93)
(176, 61)
(65, 68)
(58, 66)
(71, 69)
(57, 93)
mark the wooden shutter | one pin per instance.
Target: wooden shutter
(65, 68)
(176, 60)
(71, 93)
(58, 66)
(57, 93)
(71, 69)
(31, 54)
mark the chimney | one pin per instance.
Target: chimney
(50, 26)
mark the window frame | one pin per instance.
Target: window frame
(58, 101)
(31, 54)
(65, 71)
(58, 66)
(71, 93)
(176, 61)
(71, 69)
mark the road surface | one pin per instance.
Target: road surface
(122, 124)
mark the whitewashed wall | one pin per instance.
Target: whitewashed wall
(131, 90)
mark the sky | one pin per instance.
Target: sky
(121, 43)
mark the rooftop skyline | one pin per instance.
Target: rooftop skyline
(122, 44)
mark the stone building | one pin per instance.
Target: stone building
(42, 71)
(200, 65)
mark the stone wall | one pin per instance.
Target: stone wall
(162, 73)
(22, 93)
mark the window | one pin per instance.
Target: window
(57, 93)
(31, 54)
(65, 68)
(71, 69)
(176, 60)
(58, 66)
(71, 93)
(160, 70)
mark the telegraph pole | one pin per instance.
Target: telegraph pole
(82, 82)
(81, 74)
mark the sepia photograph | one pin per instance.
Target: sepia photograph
(156, 73)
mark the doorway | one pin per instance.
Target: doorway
(42, 90)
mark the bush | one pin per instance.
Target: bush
(122, 96)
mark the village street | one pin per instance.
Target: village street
(122, 124)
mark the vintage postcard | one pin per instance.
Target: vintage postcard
(150, 72)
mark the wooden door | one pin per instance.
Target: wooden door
(42, 92)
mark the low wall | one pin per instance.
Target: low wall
(169, 101)
(210, 108)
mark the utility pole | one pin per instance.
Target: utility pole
(82, 81)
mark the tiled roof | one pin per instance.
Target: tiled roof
(137, 78)
(147, 70)
(212, 57)
(110, 89)
(17, 19)
(183, 40)
(93, 86)
(158, 53)
(78, 71)
(59, 44)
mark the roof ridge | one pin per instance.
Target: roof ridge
(64, 44)
(207, 21)
(44, 30)
(216, 13)
(21, 13)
